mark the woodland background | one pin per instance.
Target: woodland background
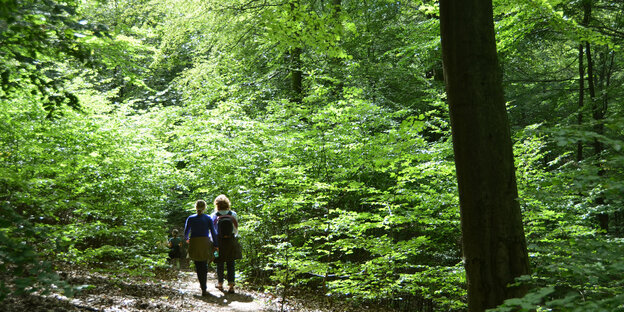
(325, 122)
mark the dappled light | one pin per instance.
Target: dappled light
(376, 156)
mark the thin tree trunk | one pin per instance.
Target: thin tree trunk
(337, 8)
(297, 75)
(597, 114)
(493, 238)
(590, 76)
(603, 218)
(296, 65)
(579, 118)
(336, 62)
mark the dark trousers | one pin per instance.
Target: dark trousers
(201, 267)
(230, 272)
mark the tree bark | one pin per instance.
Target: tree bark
(493, 238)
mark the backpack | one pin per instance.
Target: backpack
(225, 225)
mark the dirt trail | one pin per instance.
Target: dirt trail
(188, 287)
(178, 292)
(112, 294)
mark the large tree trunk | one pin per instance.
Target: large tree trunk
(493, 239)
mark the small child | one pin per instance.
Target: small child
(175, 246)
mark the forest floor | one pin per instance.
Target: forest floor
(178, 292)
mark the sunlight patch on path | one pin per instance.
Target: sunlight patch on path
(242, 301)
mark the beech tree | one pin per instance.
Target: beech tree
(493, 242)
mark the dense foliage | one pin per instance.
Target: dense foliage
(325, 123)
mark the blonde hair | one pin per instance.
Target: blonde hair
(200, 205)
(222, 203)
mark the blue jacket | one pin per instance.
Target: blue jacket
(200, 226)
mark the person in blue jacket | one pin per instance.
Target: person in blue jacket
(200, 234)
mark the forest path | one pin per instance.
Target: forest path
(175, 292)
(188, 286)
(108, 293)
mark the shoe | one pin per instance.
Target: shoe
(231, 290)
(204, 293)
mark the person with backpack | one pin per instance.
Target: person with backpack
(175, 249)
(226, 225)
(198, 231)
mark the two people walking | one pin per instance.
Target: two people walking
(213, 238)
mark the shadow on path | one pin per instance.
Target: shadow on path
(239, 297)
(224, 299)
